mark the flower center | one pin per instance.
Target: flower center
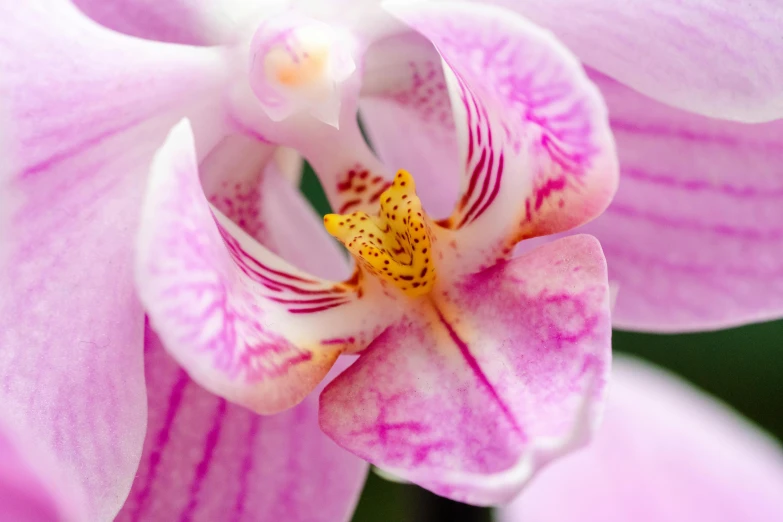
(395, 245)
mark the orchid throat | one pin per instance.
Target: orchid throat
(395, 245)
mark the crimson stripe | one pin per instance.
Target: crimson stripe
(285, 275)
(484, 188)
(319, 300)
(464, 98)
(474, 177)
(316, 309)
(203, 466)
(495, 189)
(477, 371)
(278, 286)
(161, 441)
(478, 118)
(348, 204)
(247, 468)
(380, 191)
(264, 279)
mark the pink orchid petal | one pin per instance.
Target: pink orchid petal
(232, 175)
(206, 459)
(193, 22)
(404, 91)
(244, 323)
(32, 489)
(297, 233)
(245, 180)
(177, 21)
(694, 237)
(720, 58)
(665, 451)
(470, 398)
(83, 112)
(535, 143)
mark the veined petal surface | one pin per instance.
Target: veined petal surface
(719, 58)
(537, 154)
(250, 183)
(243, 322)
(82, 111)
(472, 393)
(694, 237)
(206, 459)
(665, 451)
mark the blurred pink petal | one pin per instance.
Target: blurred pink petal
(177, 21)
(206, 459)
(31, 488)
(192, 22)
(720, 58)
(664, 451)
(243, 322)
(477, 389)
(83, 112)
(535, 148)
(694, 238)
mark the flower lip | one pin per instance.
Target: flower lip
(395, 245)
(299, 65)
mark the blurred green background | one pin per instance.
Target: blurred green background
(743, 367)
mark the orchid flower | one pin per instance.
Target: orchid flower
(454, 335)
(246, 296)
(665, 451)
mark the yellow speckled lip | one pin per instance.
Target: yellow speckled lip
(395, 245)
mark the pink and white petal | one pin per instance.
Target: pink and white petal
(243, 179)
(192, 22)
(231, 176)
(537, 153)
(32, 487)
(406, 112)
(206, 459)
(720, 58)
(665, 451)
(244, 323)
(83, 110)
(297, 233)
(693, 238)
(473, 393)
(351, 175)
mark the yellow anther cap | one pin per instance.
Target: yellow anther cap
(395, 245)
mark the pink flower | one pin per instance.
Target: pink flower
(475, 369)
(664, 452)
